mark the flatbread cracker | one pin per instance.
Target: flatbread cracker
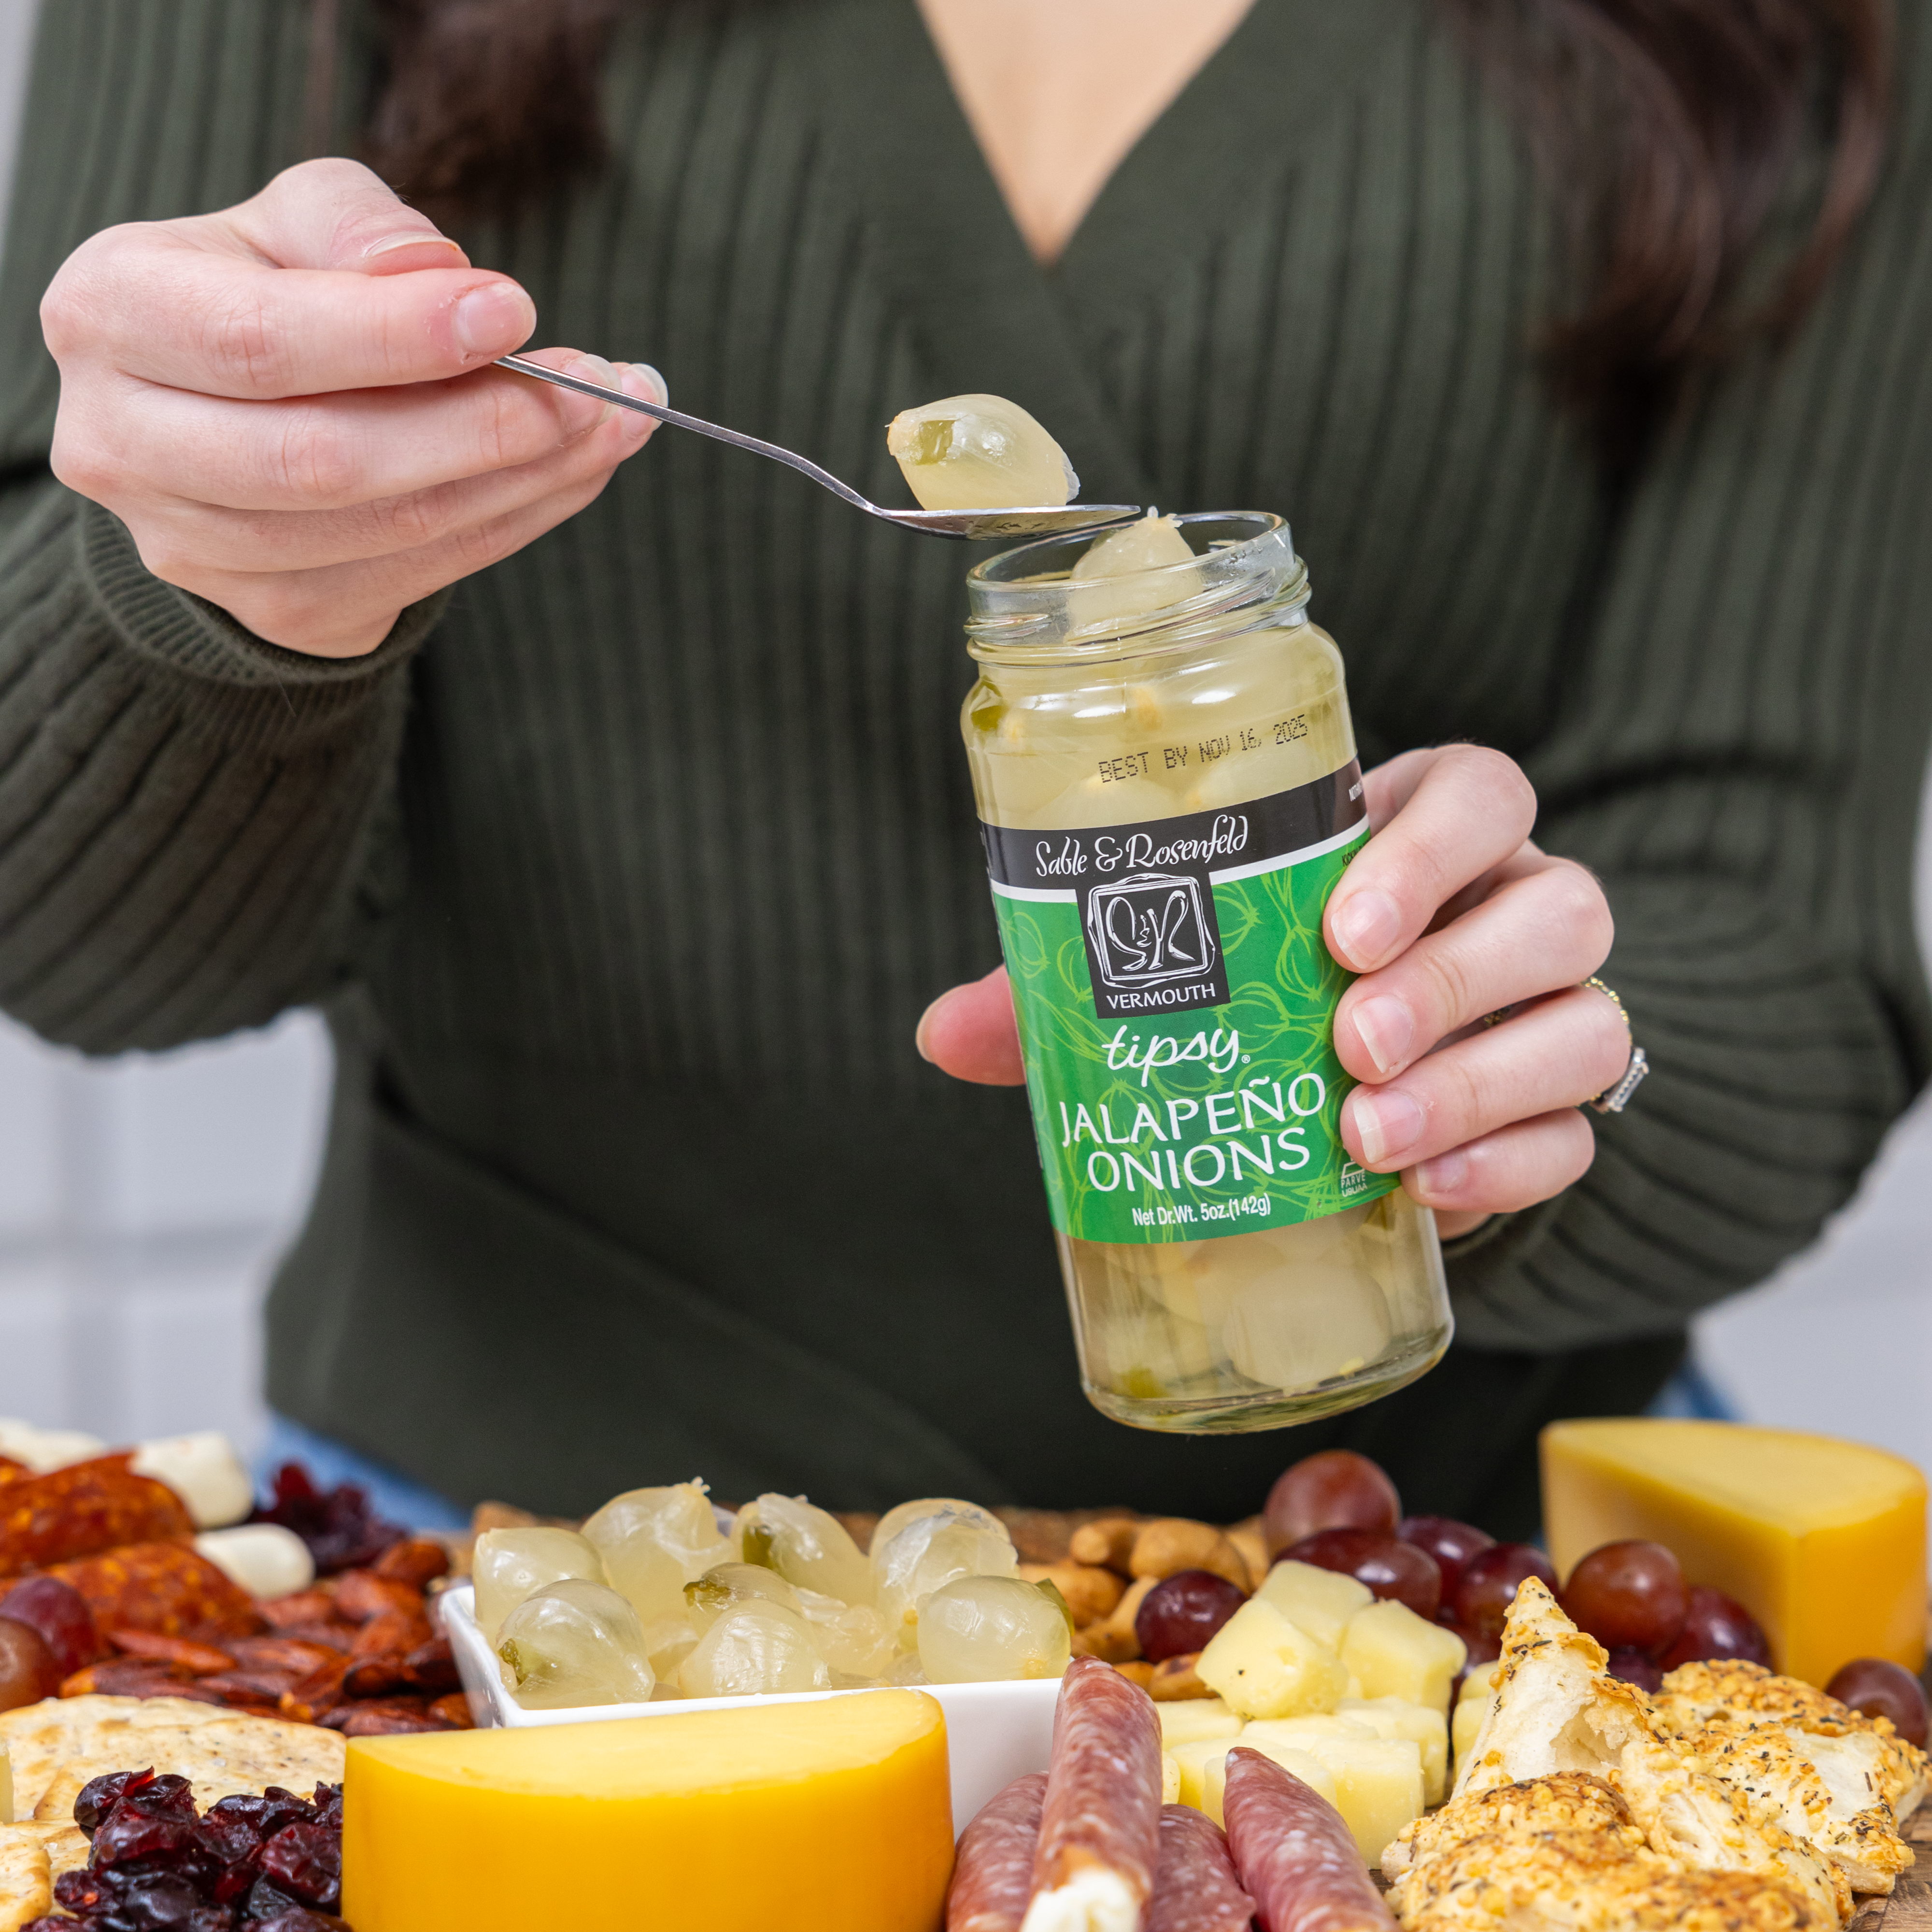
(26, 1878)
(41, 1737)
(223, 1759)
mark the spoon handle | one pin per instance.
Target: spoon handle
(523, 366)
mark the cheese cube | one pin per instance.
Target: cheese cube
(1170, 1779)
(1468, 1720)
(833, 1816)
(1822, 1541)
(1378, 1785)
(1266, 1667)
(1319, 1601)
(1478, 1681)
(1297, 1731)
(1394, 1653)
(1392, 1717)
(1194, 1717)
(1191, 1763)
(1312, 1771)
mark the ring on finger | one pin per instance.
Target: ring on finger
(1616, 1097)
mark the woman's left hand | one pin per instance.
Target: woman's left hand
(1450, 913)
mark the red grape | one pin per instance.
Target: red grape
(28, 1671)
(59, 1612)
(1633, 1667)
(1450, 1543)
(1182, 1611)
(1336, 1489)
(1629, 1596)
(1394, 1569)
(1489, 1584)
(1882, 1690)
(1717, 1627)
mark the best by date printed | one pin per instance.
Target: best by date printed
(1204, 751)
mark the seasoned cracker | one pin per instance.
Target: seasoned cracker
(234, 1755)
(26, 1878)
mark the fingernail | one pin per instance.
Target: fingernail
(660, 389)
(492, 320)
(1386, 1027)
(390, 243)
(640, 379)
(1443, 1177)
(1388, 1122)
(1367, 925)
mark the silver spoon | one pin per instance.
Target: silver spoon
(1048, 519)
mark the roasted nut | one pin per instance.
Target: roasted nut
(1138, 1671)
(1248, 1538)
(1173, 1679)
(1106, 1543)
(1103, 1641)
(1176, 1543)
(1089, 1593)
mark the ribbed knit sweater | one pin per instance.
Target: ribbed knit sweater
(624, 872)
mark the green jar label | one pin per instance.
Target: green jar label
(1176, 1006)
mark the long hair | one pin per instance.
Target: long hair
(1673, 128)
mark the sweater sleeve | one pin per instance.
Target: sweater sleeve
(187, 814)
(1741, 762)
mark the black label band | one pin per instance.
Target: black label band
(1145, 891)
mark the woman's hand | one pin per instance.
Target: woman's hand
(290, 405)
(1449, 914)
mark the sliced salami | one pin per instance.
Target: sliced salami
(1099, 1832)
(1195, 1889)
(1296, 1858)
(992, 1877)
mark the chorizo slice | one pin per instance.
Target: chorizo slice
(1296, 1858)
(1099, 1829)
(1194, 1889)
(82, 1509)
(168, 1588)
(992, 1877)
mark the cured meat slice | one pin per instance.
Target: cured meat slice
(1100, 1830)
(1296, 1859)
(168, 1588)
(82, 1509)
(992, 1878)
(1195, 1889)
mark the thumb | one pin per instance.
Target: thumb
(337, 214)
(971, 1033)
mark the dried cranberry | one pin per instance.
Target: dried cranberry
(132, 1832)
(329, 1805)
(100, 1795)
(266, 1898)
(155, 1902)
(300, 1920)
(306, 1860)
(341, 1530)
(84, 1891)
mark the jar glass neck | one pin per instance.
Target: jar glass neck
(1028, 607)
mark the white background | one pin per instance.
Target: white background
(142, 1201)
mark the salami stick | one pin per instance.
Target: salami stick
(1297, 1860)
(992, 1879)
(1099, 1829)
(1195, 1889)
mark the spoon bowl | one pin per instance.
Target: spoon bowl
(965, 526)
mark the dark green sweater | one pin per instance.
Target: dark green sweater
(625, 875)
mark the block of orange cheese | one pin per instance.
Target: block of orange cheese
(1822, 1541)
(833, 1816)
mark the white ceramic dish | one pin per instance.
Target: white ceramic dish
(994, 1732)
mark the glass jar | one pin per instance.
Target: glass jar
(1168, 786)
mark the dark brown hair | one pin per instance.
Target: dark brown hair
(1674, 126)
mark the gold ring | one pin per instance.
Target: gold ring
(1615, 1097)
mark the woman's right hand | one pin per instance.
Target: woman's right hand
(290, 405)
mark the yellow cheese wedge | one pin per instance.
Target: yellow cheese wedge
(1822, 1541)
(831, 1816)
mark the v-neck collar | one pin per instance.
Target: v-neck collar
(986, 315)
